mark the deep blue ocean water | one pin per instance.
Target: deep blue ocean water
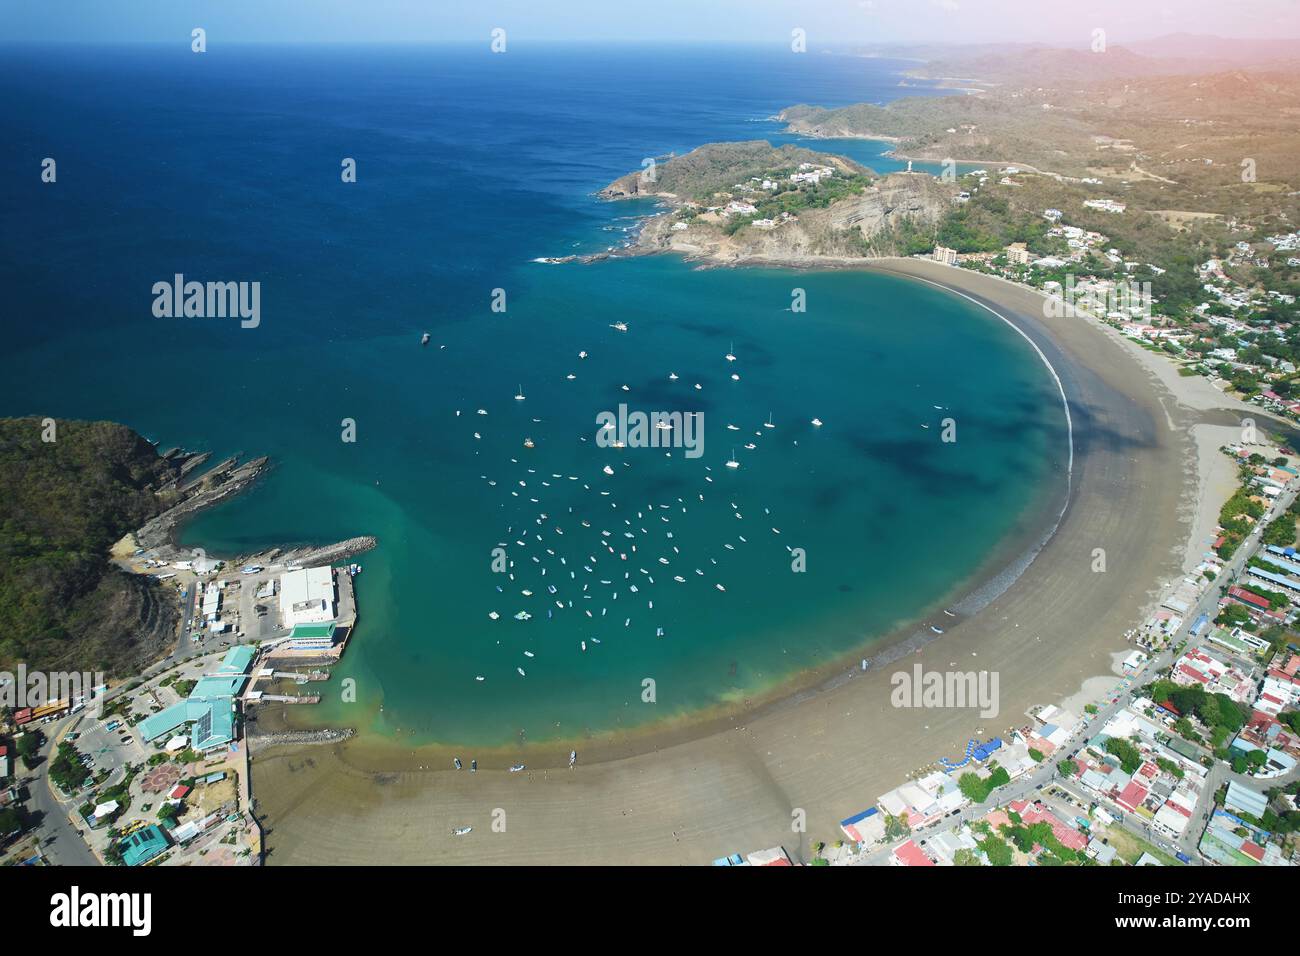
(226, 166)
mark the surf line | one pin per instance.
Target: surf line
(1069, 429)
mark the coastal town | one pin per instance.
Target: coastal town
(1187, 758)
(156, 770)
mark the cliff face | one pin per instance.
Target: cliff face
(858, 226)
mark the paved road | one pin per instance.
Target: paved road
(59, 839)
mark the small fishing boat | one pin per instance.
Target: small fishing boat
(618, 326)
(817, 422)
(461, 831)
(936, 629)
(493, 614)
(608, 470)
(949, 613)
(584, 646)
(528, 654)
(480, 678)
(528, 443)
(672, 376)
(521, 672)
(518, 768)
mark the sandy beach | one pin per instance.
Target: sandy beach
(1143, 484)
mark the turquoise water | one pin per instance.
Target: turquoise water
(470, 168)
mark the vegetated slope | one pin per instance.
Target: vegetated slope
(63, 604)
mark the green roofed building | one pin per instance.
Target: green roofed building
(236, 661)
(209, 688)
(212, 720)
(143, 845)
(312, 637)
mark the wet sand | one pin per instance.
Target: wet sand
(688, 798)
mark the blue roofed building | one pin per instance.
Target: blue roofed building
(236, 661)
(210, 708)
(143, 845)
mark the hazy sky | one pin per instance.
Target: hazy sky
(827, 22)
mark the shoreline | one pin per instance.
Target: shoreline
(998, 571)
(1051, 631)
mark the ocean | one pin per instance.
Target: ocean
(226, 167)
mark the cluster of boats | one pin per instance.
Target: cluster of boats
(615, 549)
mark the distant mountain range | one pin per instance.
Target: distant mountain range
(997, 64)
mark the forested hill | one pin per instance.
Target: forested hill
(63, 604)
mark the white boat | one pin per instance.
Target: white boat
(480, 678)
(608, 470)
(936, 629)
(521, 672)
(584, 645)
(719, 587)
(424, 339)
(461, 831)
(456, 761)
(672, 376)
(750, 446)
(664, 426)
(517, 768)
(768, 423)
(618, 326)
(730, 356)
(528, 653)
(582, 355)
(735, 377)
(519, 397)
(528, 443)
(570, 376)
(493, 614)
(732, 428)
(522, 616)
(817, 422)
(573, 758)
(733, 463)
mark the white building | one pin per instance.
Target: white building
(307, 596)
